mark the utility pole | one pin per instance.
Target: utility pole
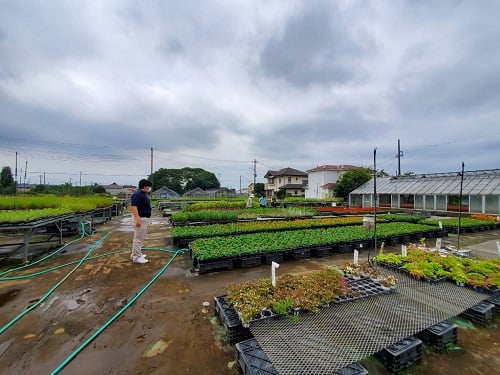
(460, 206)
(151, 160)
(400, 153)
(15, 187)
(254, 172)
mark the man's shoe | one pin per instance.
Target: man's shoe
(142, 256)
(141, 260)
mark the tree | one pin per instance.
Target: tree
(351, 180)
(259, 189)
(7, 183)
(185, 179)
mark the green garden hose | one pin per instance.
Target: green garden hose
(78, 263)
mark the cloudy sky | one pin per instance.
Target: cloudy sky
(88, 88)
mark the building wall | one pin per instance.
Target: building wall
(318, 179)
(486, 204)
(282, 181)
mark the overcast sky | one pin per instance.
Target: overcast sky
(87, 88)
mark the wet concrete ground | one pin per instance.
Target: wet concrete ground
(164, 331)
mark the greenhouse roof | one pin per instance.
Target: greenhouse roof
(484, 182)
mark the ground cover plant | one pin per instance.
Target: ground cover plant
(344, 210)
(431, 265)
(29, 208)
(233, 215)
(218, 247)
(307, 291)
(465, 222)
(212, 230)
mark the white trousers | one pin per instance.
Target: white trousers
(139, 237)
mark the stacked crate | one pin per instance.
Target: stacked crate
(440, 335)
(402, 354)
(481, 313)
(495, 301)
(231, 321)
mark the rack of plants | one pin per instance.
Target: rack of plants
(250, 261)
(439, 335)
(212, 264)
(481, 313)
(402, 354)
(231, 321)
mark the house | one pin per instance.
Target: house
(164, 192)
(115, 189)
(290, 181)
(210, 193)
(322, 180)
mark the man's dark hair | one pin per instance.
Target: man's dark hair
(144, 182)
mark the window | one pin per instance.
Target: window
(289, 180)
(271, 180)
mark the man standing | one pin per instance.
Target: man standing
(141, 210)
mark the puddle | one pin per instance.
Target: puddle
(8, 296)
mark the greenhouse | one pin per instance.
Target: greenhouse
(480, 192)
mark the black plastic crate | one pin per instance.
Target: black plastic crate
(402, 354)
(481, 313)
(299, 254)
(272, 257)
(252, 360)
(250, 261)
(345, 248)
(322, 251)
(352, 369)
(231, 321)
(440, 335)
(495, 301)
(210, 265)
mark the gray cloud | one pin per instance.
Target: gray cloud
(217, 85)
(315, 47)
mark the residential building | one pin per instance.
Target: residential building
(291, 181)
(322, 180)
(115, 189)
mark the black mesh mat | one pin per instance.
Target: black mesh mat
(346, 332)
